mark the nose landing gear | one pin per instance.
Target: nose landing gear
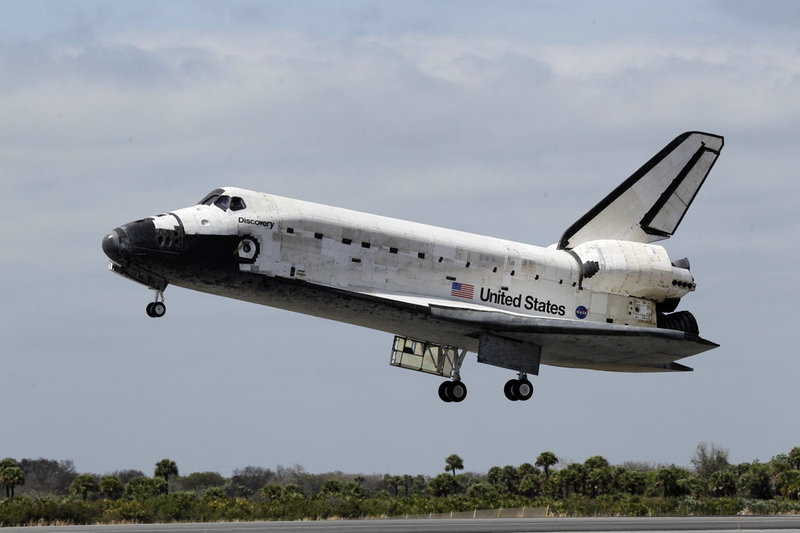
(518, 389)
(157, 308)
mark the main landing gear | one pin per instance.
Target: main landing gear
(445, 361)
(157, 308)
(518, 389)
(452, 391)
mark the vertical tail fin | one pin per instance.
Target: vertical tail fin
(650, 204)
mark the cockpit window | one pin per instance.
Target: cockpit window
(223, 202)
(237, 204)
(211, 197)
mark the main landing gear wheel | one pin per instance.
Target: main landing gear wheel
(518, 389)
(452, 391)
(157, 309)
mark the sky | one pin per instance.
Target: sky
(508, 119)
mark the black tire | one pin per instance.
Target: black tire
(150, 310)
(524, 390)
(158, 309)
(510, 390)
(457, 391)
(444, 391)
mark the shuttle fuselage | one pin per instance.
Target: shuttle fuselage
(591, 301)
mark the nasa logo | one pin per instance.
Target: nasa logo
(581, 312)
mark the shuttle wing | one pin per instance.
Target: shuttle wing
(591, 345)
(564, 342)
(650, 204)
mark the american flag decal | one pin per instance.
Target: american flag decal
(463, 290)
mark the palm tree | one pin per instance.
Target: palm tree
(111, 487)
(454, 462)
(165, 469)
(794, 457)
(546, 460)
(393, 482)
(11, 476)
(83, 485)
(666, 478)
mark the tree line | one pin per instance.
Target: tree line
(43, 491)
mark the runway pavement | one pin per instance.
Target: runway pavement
(510, 525)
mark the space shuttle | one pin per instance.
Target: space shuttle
(603, 297)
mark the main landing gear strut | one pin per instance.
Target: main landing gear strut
(157, 308)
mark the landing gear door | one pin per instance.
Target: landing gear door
(509, 353)
(428, 357)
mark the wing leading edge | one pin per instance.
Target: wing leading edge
(650, 205)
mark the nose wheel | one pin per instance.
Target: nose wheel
(518, 389)
(157, 309)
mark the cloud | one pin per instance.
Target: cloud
(772, 14)
(405, 120)
(308, 116)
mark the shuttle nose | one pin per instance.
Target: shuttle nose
(112, 247)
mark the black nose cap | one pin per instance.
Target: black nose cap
(112, 248)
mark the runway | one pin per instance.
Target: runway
(510, 525)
